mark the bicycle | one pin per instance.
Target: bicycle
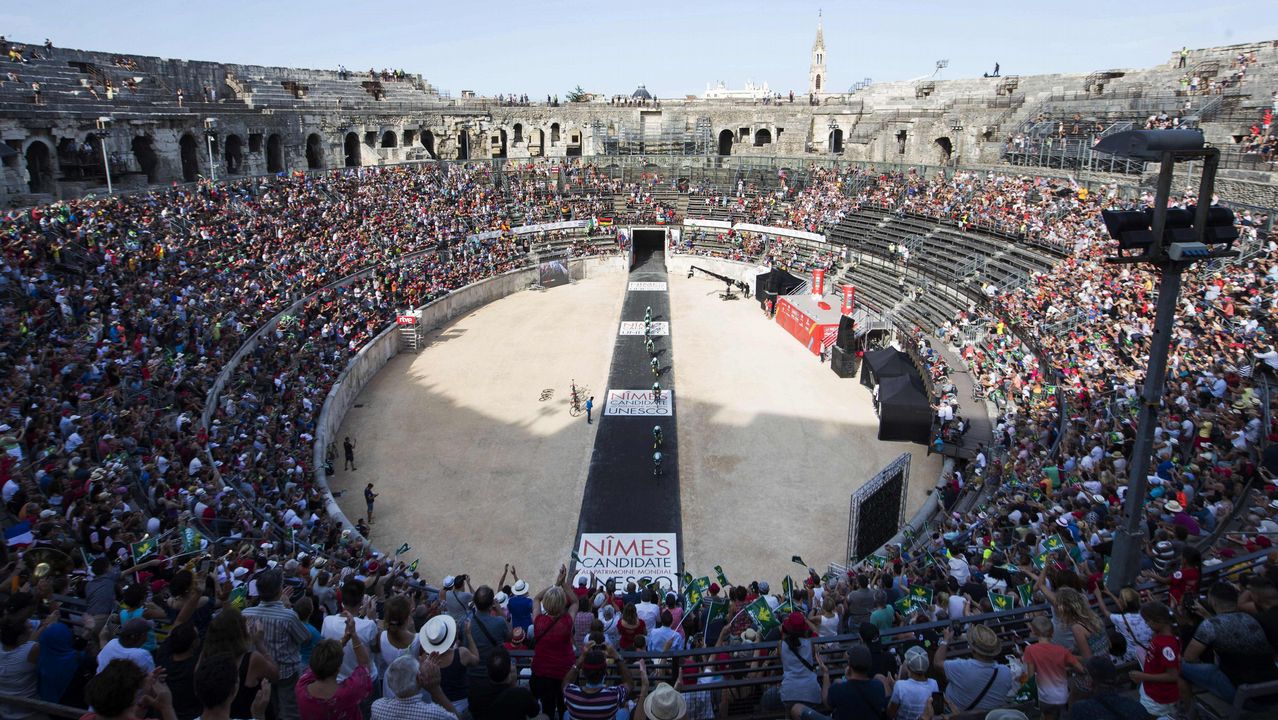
(576, 399)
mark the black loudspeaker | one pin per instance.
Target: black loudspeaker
(844, 363)
(847, 333)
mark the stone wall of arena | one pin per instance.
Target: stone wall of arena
(374, 356)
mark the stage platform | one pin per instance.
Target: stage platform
(814, 321)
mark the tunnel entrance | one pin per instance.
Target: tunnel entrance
(648, 242)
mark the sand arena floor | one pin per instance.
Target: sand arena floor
(474, 469)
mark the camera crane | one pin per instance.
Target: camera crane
(730, 284)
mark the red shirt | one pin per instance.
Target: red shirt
(1183, 581)
(627, 635)
(1163, 655)
(553, 655)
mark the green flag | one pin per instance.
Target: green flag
(239, 597)
(402, 549)
(876, 561)
(904, 606)
(716, 610)
(787, 588)
(723, 579)
(144, 548)
(921, 594)
(694, 590)
(687, 578)
(1053, 543)
(412, 567)
(1001, 603)
(797, 560)
(1026, 591)
(783, 610)
(1027, 692)
(191, 540)
(1039, 560)
(762, 616)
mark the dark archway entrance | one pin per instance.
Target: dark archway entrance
(234, 155)
(428, 142)
(351, 146)
(39, 168)
(554, 133)
(836, 140)
(388, 139)
(762, 136)
(314, 152)
(946, 149)
(274, 154)
(190, 152)
(725, 142)
(463, 145)
(499, 144)
(148, 162)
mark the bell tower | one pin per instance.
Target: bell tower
(817, 80)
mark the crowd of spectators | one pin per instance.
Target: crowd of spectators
(206, 551)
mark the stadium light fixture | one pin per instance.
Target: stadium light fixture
(1169, 240)
(210, 132)
(103, 125)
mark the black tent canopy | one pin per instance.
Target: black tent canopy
(904, 410)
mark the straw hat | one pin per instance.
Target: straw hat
(664, 703)
(438, 634)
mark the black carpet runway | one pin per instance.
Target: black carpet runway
(622, 495)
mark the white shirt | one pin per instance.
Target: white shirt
(649, 613)
(335, 627)
(115, 651)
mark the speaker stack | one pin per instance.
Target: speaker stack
(844, 363)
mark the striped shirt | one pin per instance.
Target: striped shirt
(284, 634)
(602, 705)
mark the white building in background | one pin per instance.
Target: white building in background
(817, 80)
(720, 91)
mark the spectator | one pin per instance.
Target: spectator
(179, 657)
(230, 634)
(123, 691)
(128, 646)
(499, 696)
(283, 634)
(800, 664)
(1108, 702)
(398, 638)
(1128, 622)
(18, 656)
(337, 627)
(912, 696)
(1237, 641)
(979, 683)
(406, 678)
(217, 687)
(320, 695)
(629, 627)
(856, 695)
(1048, 664)
(1160, 675)
(593, 698)
(438, 640)
(553, 655)
(59, 662)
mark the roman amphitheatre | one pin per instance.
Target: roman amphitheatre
(941, 349)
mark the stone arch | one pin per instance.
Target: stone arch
(945, 147)
(497, 142)
(389, 140)
(762, 136)
(274, 153)
(314, 151)
(537, 142)
(818, 82)
(519, 132)
(463, 144)
(351, 145)
(189, 152)
(836, 140)
(554, 133)
(428, 142)
(725, 142)
(234, 155)
(148, 161)
(39, 167)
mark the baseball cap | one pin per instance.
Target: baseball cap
(916, 659)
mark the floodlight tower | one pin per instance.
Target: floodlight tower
(1168, 241)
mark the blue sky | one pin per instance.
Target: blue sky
(674, 48)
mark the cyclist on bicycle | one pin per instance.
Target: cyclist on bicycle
(656, 436)
(652, 347)
(656, 463)
(656, 367)
(656, 392)
(647, 314)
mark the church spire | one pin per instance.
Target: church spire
(817, 80)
